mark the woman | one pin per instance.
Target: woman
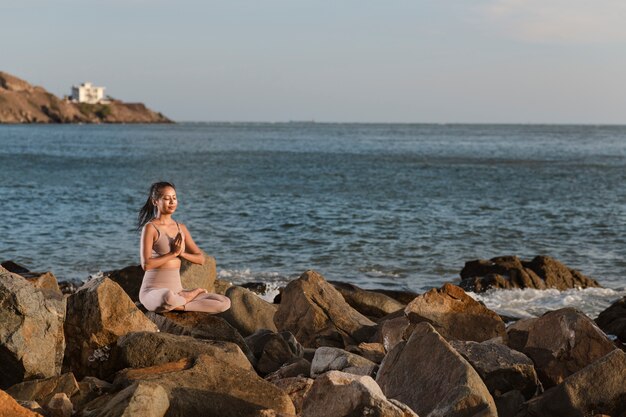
(161, 288)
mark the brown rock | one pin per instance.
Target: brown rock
(455, 315)
(511, 272)
(340, 394)
(374, 352)
(316, 313)
(248, 312)
(208, 386)
(368, 303)
(596, 389)
(31, 331)
(501, 368)
(429, 376)
(42, 390)
(391, 332)
(129, 279)
(297, 388)
(60, 406)
(139, 399)
(97, 315)
(298, 367)
(200, 326)
(613, 319)
(273, 350)
(335, 359)
(404, 297)
(89, 389)
(560, 343)
(44, 281)
(10, 408)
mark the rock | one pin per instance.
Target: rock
(455, 315)
(511, 272)
(368, 303)
(501, 368)
(613, 319)
(43, 281)
(139, 399)
(432, 378)
(404, 297)
(131, 349)
(374, 352)
(297, 388)
(298, 367)
(560, 343)
(596, 389)
(129, 279)
(97, 315)
(248, 312)
(335, 359)
(510, 403)
(200, 326)
(339, 394)
(42, 390)
(60, 406)
(208, 386)
(31, 331)
(89, 389)
(10, 408)
(273, 350)
(391, 332)
(316, 313)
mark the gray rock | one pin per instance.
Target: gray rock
(273, 350)
(31, 331)
(335, 359)
(297, 368)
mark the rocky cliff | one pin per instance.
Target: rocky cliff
(21, 102)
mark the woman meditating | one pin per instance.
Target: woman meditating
(164, 242)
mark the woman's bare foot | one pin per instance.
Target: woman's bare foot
(189, 295)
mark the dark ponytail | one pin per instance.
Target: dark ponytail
(148, 211)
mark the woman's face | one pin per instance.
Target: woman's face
(167, 202)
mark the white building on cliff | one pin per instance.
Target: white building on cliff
(87, 93)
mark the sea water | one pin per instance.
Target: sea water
(378, 205)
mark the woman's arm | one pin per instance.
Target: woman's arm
(191, 251)
(148, 235)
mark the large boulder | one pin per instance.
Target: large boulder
(500, 367)
(297, 388)
(98, 314)
(273, 350)
(455, 315)
(42, 390)
(208, 386)
(560, 343)
(200, 326)
(316, 313)
(368, 303)
(335, 359)
(143, 399)
(432, 378)
(393, 331)
(43, 281)
(248, 312)
(130, 351)
(511, 272)
(31, 331)
(613, 319)
(594, 390)
(339, 394)
(10, 408)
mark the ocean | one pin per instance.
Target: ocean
(395, 206)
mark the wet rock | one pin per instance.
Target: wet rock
(273, 350)
(248, 312)
(316, 313)
(455, 315)
(10, 408)
(613, 319)
(97, 315)
(428, 375)
(368, 303)
(560, 343)
(131, 349)
(297, 388)
(139, 399)
(208, 386)
(200, 326)
(339, 394)
(31, 331)
(511, 272)
(297, 368)
(501, 368)
(335, 359)
(42, 390)
(596, 389)
(60, 406)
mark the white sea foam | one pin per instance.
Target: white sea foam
(272, 280)
(533, 303)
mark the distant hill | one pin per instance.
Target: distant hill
(21, 102)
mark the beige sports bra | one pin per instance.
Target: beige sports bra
(163, 244)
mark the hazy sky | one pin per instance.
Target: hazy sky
(527, 61)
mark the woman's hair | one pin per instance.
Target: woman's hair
(148, 211)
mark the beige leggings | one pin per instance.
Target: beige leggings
(160, 290)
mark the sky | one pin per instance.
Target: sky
(419, 61)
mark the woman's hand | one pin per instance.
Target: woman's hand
(178, 244)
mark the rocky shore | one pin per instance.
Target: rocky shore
(321, 349)
(20, 102)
